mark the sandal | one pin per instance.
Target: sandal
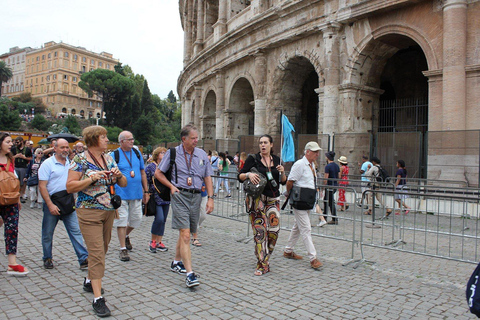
(17, 270)
(258, 272)
(196, 243)
(367, 213)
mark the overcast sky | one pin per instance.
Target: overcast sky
(145, 34)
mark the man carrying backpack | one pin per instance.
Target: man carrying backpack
(130, 163)
(376, 174)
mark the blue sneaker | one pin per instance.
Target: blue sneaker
(191, 280)
(178, 268)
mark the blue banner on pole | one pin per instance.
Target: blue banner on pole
(288, 148)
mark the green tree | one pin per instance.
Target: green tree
(5, 74)
(26, 98)
(9, 119)
(40, 123)
(72, 124)
(143, 129)
(113, 133)
(171, 97)
(111, 87)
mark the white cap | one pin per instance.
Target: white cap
(313, 146)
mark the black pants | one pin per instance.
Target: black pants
(329, 202)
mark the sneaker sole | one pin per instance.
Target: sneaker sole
(103, 315)
(125, 259)
(192, 284)
(152, 251)
(17, 274)
(179, 272)
(162, 250)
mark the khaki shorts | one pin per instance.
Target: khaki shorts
(130, 214)
(185, 210)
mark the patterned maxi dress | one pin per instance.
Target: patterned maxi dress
(341, 192)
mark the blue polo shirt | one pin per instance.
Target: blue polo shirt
(134, 188)
(55, 173)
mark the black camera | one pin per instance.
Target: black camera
(115, 200)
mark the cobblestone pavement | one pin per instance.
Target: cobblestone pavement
(398, 286)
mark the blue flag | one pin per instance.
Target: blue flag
(288, 149)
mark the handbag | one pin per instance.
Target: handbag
(64, 201)
(303, 198)
(150, 208)
(255, 190)
(473, 298)
(32, 180)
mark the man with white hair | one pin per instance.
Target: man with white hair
(78, 148)
(130, 163)
(303, 175)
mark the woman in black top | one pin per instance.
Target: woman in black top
(264, 211)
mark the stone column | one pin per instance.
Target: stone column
(198, 46)
(454, 59)
(187, 26)
(260, 99)
(321, 96)
(259, 6)
(332, 79)
(186, 111)
(220, 107)
(198, 106)
(220, 27)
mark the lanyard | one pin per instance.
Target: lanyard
(189, 164)
(97, 163)
(129, 161)
(314, 175)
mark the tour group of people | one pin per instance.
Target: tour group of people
(93, 191)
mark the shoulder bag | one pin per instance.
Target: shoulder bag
(303, 198)
(64, 201)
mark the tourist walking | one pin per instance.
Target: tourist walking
(373, 173)
(58, 205)
(303, 175)
(264, 211)
(162, 206)
(31, 179)
(130, 163)
(400, 182)
(331, 175)
(22, 156)
(344, 170)
(191, 169)
(91, 175)
(10, 204)
(223, 166)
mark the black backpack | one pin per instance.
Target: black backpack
(382, 175)
(164, 191)
(473, 297)
(116, 154)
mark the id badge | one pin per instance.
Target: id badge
(189, 181)
(269, 175)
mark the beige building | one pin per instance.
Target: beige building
(52, 74)
(395, 79)
(15, 59)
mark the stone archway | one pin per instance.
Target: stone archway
(208, 117)
(295, 94)
(240, 113)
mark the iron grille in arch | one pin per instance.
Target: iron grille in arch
(409, 114)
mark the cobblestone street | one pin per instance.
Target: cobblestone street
(397, 286)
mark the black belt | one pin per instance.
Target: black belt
(189, 190)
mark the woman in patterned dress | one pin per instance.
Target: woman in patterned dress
(344, 176)
(264, 211)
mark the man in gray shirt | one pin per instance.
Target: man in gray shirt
(192, 168)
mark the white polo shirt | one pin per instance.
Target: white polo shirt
(302, 174)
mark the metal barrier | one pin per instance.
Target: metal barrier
(438, 225)
(430, 182)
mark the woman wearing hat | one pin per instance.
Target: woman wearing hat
(344, 176)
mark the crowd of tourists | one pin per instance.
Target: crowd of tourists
(93, 191)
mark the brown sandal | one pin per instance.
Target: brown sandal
(196, 243)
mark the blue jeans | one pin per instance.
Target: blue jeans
(225, 182)
(158, 225)
(71, 225)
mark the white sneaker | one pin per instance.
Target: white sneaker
(321, 223)
(40, 205)
(32, 205)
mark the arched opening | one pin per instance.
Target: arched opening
(240, 113)
(82, 114)
(90, 114)
(74, 111)
(208, 121)
(211, 16)
(64, 110)
(296, 94)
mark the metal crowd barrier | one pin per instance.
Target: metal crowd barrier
(444, 225)
(431, 182)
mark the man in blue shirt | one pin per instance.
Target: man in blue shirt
(130, 163)
(52, 176)
(191, 169)
(331, 172)
(365, 166)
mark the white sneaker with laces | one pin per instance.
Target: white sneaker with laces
(321, 223)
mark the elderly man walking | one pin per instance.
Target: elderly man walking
(303, 175)
(191, 169)
(130, 163)
(52, 177)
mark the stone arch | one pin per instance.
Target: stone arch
(211, 16)
(296, 80)
(208, 119)
(240, 112)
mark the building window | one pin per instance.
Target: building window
(75, 57)
(92, 62)
(38, 59)
(84, 69)
(66, 54)
(49, 55)
(55, 54)
(91, 69)
(84, 59)
(108, 66)
(74, 79)
(100, 64)
(65, 77)
(43, 57)
(54, 77)
(64, 110)
(48, 78)
(74, 111)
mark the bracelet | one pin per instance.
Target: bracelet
(146, 191)
(247, 174)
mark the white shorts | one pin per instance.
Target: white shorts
(130, 213)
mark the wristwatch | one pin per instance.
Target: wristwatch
(210, 197)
